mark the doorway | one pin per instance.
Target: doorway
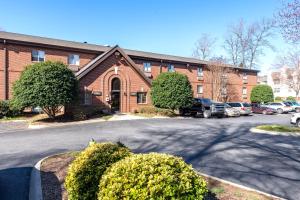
(115, 94)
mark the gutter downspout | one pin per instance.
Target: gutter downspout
(5, 71)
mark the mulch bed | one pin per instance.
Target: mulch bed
(54, 170)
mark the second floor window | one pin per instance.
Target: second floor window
(276, 90)
(37, 56)
(73, 59)
(245, 77)
(199, 71)
(244, 91)
(147, 67)
(171, 68)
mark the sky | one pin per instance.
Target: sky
(161, 26)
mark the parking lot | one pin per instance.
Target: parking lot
(224, 148)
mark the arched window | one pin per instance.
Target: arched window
(115, 84)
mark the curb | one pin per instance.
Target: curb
(242, 186)
(35, 188)
(255, 130)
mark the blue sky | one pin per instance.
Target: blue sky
(162, 26)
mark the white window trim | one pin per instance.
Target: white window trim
(245, 76)
(244, 89)
(76, 64)
(38, 55)
(137, 96)
(149, 67)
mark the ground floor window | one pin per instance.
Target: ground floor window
(244, 91)
(87, 97)
(142, 97)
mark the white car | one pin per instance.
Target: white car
(295, 119)
(280, 107)
(243, 108)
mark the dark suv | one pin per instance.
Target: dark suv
(205, 107)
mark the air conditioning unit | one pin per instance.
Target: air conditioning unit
(148, 74)
(244, 96)
(245, 81)
(200, 78)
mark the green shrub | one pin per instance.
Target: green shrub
(262, 94)
(151, 110)
(84, 173)
(290, 98)
(151, 176)
(278, 99)
(7, 110)
(4, 108)
(49, 85)
(171, 90)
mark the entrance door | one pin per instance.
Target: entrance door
(115, 94)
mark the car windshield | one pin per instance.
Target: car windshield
(235, 104)
(287, 103)
(206, 101)
(246, 105)
(227, 106)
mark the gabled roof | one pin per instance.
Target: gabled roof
(29, 39)
(99, 59)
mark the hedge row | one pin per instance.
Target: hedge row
(110, 171)
(6, 110)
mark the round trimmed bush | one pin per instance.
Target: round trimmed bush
(151, 176)
(262, 94)
(172, 90)
(86, 170)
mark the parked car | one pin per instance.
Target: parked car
(262, 109)
(295, 105)
(280, 107)
(244, 108)
(295, 119)
(231, 112)
(205, 107)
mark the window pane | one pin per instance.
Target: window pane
(171, 68)
(34, 55)
(73, 59)
(199, 89)
(141, 97)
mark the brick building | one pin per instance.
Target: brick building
(111, 76)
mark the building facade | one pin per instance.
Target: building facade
(117, 78)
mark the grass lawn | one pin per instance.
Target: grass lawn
(278, 128)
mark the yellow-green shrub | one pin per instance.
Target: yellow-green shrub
(86, 170)
(151, 176)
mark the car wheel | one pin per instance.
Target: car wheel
(207, 114)
(279, 110)
(298, 123)
(264, 112)
(297, 110)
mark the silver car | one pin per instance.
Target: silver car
(231, 112)
(244, 108)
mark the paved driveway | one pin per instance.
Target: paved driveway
(220, 147)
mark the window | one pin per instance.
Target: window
(73, 59)
(199, 71)
(37, 56)
(199, 89)
(141, 97)
(244, 91)
(147, 67)
(87, 97)
(276, 90)
(171, 68)
(245, 77)
(235, 104)
(276, 81)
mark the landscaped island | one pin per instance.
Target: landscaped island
(112, 171)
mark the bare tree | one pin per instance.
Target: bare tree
(291, 75)
(246, 43)
(218, 80)
(288, 19)
(204, 46)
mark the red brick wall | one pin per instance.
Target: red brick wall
(19, 56)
